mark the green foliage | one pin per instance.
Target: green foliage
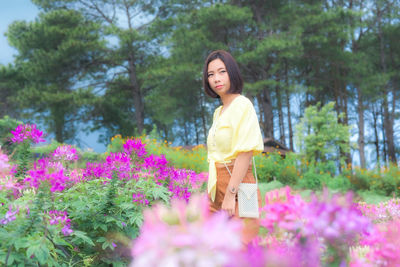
(22, 156)
(116, 144)
(45, 150)
(310, 180)
(320, 137)
(7, 124)
(339, 183)
(273, 166)
(194, 159)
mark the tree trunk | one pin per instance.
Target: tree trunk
(280, 115)
(375, 121)
(388, 120)
(268, 114)
(289, 116)
(261, 111)
(361, 142)
(385, 155)
(203, 118)
(137, 96)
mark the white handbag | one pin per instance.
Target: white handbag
(248, 197)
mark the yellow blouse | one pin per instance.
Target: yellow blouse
(235, 130)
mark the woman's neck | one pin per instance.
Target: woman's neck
(227, 99)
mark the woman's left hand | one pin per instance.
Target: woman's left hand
(229, 203)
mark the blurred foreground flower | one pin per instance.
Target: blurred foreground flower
(282, 210)
(4, 166)
(383, 245)
(186, 235)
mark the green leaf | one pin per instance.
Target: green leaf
(82, 235)
(42, 254)
(60, 241)
(101, 239)
(21, 243)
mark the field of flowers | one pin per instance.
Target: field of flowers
(132, 206)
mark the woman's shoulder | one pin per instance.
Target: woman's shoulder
(243, 102)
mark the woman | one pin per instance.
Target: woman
(233, 139)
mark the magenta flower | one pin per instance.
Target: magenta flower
(140, 198)
(27, 132)
(155, 162)
(46, 170)
(119, 163)
(135, 146)
(66, 153)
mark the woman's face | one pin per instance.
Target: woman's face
(218, 77)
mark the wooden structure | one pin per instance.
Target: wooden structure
(271, 145)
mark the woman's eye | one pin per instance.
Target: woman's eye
(209, 75)
(223, 71)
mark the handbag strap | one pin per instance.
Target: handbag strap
(255, 170)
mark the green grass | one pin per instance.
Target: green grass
(372, 197)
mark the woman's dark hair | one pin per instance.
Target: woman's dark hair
(233, 71)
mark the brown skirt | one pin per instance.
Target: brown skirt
(250, 225)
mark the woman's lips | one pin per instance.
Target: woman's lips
(218, 86)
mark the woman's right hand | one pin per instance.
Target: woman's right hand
(228, 204)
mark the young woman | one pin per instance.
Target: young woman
(233, 139)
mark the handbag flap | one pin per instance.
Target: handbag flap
(248, 189)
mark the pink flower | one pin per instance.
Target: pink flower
(384, 243)
(186, 235)
(135, 146)
(65, 152)
(282, 209)
(4, 166)
(27, 132)
(46, 170)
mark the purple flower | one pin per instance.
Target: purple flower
(140, 198)
(60, 218)
(334, 219)
(27, 132)
(10, 215)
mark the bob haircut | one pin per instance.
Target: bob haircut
(233, 71)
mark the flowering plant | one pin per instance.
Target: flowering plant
(27, 132)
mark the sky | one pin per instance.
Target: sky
(10, 11)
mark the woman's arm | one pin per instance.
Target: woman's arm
(239, 171)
